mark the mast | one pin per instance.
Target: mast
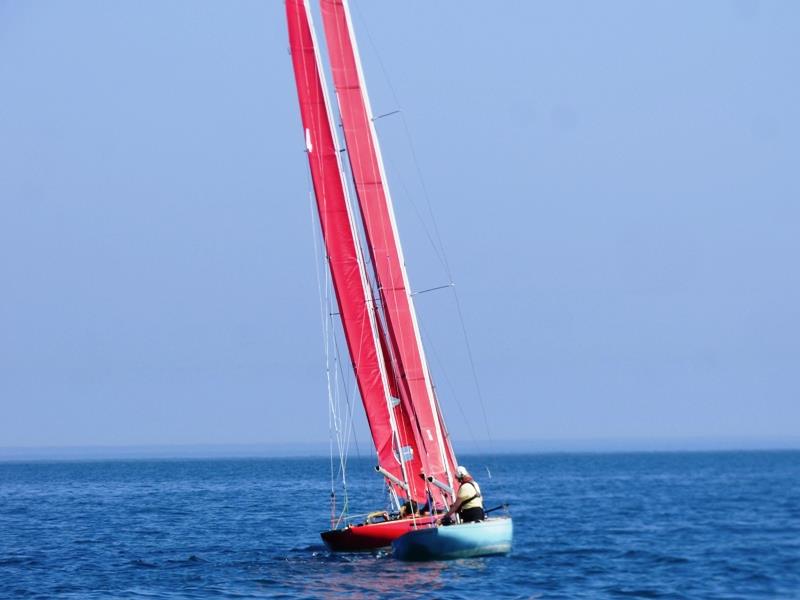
(384, 244)
(389, 423)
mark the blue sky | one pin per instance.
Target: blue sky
(615, 185)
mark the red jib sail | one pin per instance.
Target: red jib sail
(381, 234)
(389, 424)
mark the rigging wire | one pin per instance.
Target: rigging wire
(338, 430)
(347, 395)
(440, 252)
(384, 229)
(336, 409)
(428, 340)
(324, 320)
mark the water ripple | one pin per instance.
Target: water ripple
(586, 526)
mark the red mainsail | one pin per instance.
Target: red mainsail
(381, 233)
(390, 426)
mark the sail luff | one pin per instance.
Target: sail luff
(382, 238)
(348, 273)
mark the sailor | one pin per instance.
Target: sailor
(409, 509)
(469, 503)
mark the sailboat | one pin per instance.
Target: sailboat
(378, 320)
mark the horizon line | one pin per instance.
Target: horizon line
(321, 449)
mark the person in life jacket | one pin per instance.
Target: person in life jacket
(469, 502)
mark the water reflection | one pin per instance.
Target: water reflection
(363, 575)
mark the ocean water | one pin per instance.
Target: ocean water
(654, 525)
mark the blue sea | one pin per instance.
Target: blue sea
(645, 525)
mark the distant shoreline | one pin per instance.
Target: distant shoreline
(320, 449)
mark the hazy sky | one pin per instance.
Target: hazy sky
(616, 184)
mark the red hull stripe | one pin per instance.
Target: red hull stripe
(371, 536)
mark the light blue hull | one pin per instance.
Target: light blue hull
(484, 538)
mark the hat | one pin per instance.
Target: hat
(461, 472)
